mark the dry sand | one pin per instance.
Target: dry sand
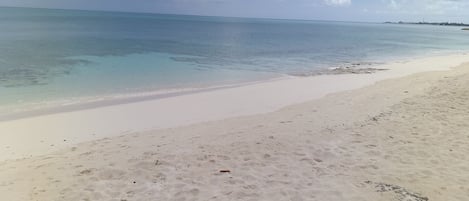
(400, 139)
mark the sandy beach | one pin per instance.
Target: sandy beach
(62, 128)
(397, 135)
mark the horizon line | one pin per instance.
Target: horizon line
(222, 16)
(197, 15)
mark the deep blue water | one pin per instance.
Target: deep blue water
(49, 55)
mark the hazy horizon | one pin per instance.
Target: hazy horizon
(328, 10)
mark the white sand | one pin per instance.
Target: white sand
(406, 137)
(44, 134)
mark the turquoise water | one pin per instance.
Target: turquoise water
(49, 56)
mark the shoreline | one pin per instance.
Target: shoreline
(119, 99)
(61, 130)
(399, 139)
(93, 102)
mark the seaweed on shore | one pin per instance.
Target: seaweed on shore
(402, 193)
(349, 68)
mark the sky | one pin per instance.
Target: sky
(339, 10)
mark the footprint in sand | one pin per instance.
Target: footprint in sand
(111, 174)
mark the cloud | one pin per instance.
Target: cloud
(338, 2)
(428, 6)
(393, 4)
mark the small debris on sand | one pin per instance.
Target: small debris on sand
(402, 193)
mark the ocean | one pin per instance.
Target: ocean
(51, 57)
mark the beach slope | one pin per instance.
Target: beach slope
(400, 139)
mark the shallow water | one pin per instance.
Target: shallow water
(49, 56)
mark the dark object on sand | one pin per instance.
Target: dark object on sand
(402, 193)
(225, 171)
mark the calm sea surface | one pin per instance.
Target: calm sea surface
(59, 56)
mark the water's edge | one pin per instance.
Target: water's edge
(118, 99)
